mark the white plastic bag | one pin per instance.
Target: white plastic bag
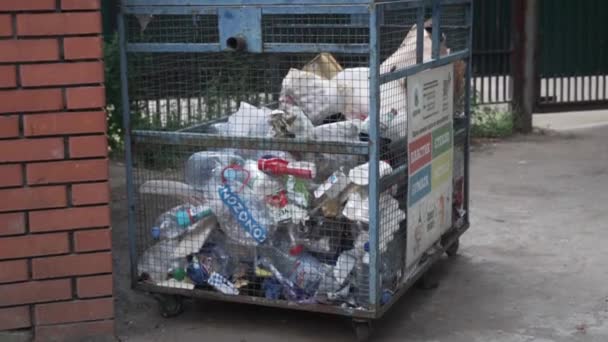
(360, 174)
(318, 97)
(355, 81)
(342, 131)
(249, 121)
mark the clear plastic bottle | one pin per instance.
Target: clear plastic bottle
(300, 268)
(204, 169)
(176, 221)
(159, 260)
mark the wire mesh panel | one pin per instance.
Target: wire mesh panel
(254, 173)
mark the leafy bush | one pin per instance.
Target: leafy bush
(489, 121)
(113, 95)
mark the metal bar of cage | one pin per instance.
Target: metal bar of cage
(128, 152)
(374, 155)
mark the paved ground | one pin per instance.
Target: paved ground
(533, 267)
(571, 120)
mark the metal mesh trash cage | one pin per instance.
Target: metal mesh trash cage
(311, 156)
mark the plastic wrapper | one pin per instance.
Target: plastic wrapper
(249, 121)
(318, 97)
(360, 174)
(341, 131)
(291, 122)
(357, 209)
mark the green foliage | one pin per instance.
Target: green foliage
(113, 95)
(490, 122)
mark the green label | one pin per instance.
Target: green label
(442, 140)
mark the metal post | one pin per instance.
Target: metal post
(126, 115)
(374, 157)
(420, 34)
(467, 110)
(524, 57)
(435, 52)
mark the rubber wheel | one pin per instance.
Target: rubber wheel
(363, 330)
(170, 305)
(453, 249)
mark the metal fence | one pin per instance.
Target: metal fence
(492, 51)
(573, 63)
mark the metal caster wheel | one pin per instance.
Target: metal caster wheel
(453, 249)
(170, 306)
(363, 330)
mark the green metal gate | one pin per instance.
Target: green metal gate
(573, 61)
(492, 51)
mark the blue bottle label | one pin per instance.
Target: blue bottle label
(242, 214)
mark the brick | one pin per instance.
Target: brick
(37, 50)
(71, 265)
(53, 24)
(69, 218)
(86, 97)
(90, 193)
(32, 198)
(31, 100)
(6, 25)
(93, 240)
(55, 74)
(31, 149)
(33, 245)
(10, 174)
(8, 76)
(35, 292)
(9, 126)
(27, 5)
(96, 286)
(82, 48)
(64, 123)
(15, 318)
(12, 224)
(11, 271)
(76, 332)
(89, 146)
(67, 171)
(79, 4)
(77, 311)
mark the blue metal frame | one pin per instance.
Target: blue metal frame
(374, 157)
(244, 23)
(126, 116)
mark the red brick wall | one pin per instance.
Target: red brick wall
(55, 241)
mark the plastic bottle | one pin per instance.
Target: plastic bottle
(362, 277)
(159, 260)
(176, 221)
(204, 169)
(300, 268)
(281, 167)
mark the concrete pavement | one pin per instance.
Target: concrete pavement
(532, 267)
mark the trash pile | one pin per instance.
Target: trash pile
(287, 225)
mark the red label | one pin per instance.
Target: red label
(420, 153)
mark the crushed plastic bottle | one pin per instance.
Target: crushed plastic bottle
(281, 167)
(302, 270)
(178, 220)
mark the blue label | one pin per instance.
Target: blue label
(242, 214)
(420, 185)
